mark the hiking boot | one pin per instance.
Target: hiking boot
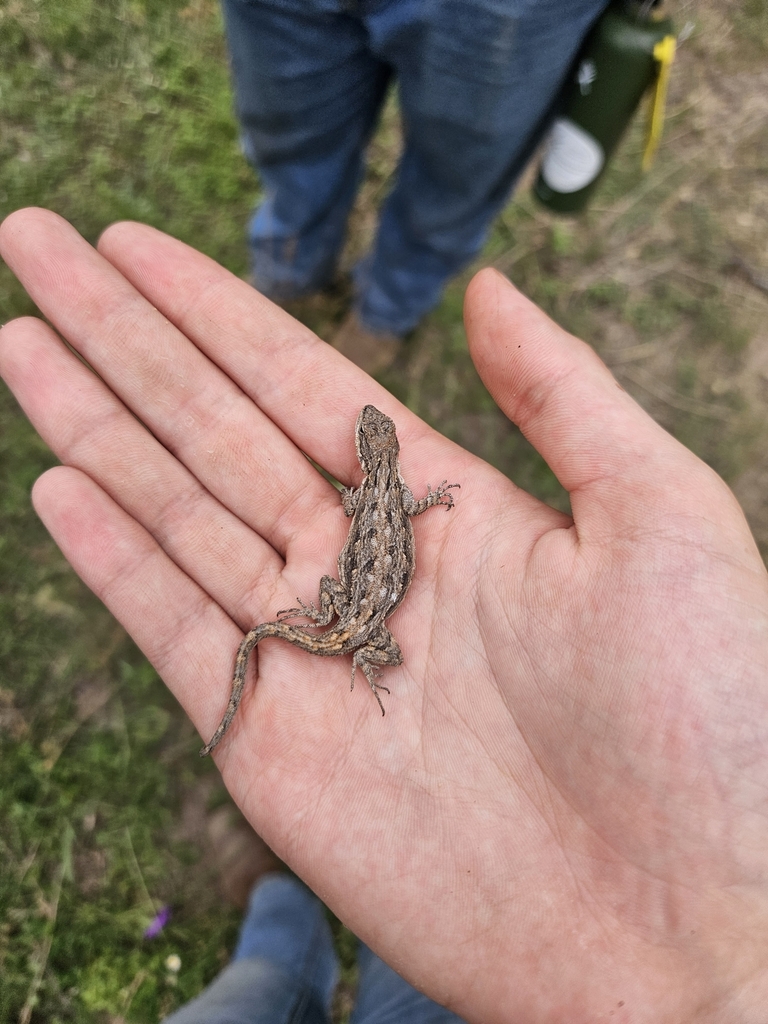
(372, 351)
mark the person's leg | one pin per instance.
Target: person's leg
(478, 79)
(383, 997)
(308, 92)
(284, 968)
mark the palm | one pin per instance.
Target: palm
(562, 764)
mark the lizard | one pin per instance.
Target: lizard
(375, 567)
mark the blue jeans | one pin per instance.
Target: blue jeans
(284, 971)
(477, 83)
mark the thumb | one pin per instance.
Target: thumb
(619, 466)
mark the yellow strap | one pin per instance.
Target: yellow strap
(664, 53)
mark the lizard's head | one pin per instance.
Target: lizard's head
(374, 435)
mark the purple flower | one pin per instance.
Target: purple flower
(158, 922)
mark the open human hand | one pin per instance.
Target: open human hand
(563, 816)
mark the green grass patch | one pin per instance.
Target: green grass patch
(123, 110)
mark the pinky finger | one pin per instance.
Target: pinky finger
(186, 636)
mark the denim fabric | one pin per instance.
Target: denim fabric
(385, 998)
(477, 83)
(284, 971)
(285, 923)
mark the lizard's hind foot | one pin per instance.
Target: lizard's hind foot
(304, 611)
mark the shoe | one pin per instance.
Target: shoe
(371, 351)
(242, 856)
(232, 853)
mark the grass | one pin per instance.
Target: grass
(122, 109)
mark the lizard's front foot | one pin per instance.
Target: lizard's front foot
(442, 492)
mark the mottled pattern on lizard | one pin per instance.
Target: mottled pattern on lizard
(376, 566)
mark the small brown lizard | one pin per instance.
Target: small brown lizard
(376, 566)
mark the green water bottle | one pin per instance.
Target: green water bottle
(627, 51)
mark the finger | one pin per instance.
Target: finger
(188, 638)
(312, 392)
(616, 462)
(90, 429)
(193, 408)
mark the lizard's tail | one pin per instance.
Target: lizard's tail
(241, 664)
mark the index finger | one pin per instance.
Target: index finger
(311, 391)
